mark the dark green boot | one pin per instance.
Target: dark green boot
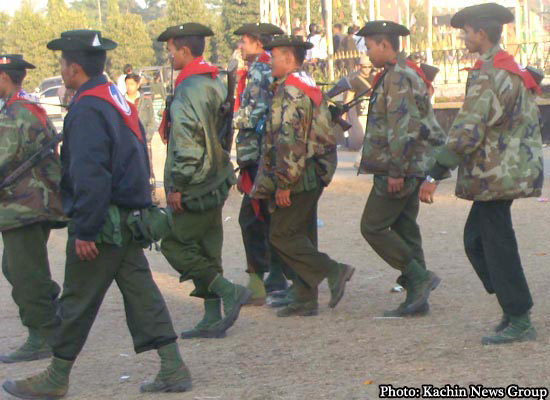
(422, 282)
(34, 348)
(503, 324)
(257, 288)
(300, 309)
(337, 280)
(233, 297)
(53, 383)
(401, 310)
(173, 375)
(519, 329)
(212, 314)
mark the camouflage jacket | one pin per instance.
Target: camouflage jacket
(252, 113)
(285, 153)
(402, 132)
(195, 159)
(496, 137)
(34, 197)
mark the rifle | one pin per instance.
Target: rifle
(168, 103)
(537, 74)
(45, 151)
(225, 134)
(337, 110)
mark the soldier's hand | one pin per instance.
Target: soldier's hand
(174, 201)
(282, 198)
(86, 251)
(395, 184)
(426, 192)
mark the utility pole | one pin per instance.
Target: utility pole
(287, 17)
(99, 12)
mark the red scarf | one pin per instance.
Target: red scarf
(412, 65)
(505, 61)
(196, 67)
(30, 104)
(246, 183)
(307, 85)
(265, 58)
(108, 92)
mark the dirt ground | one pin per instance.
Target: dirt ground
(333, 355)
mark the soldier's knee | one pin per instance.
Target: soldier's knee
(369, 232)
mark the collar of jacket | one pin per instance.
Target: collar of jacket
(489, 54)
(90, 83)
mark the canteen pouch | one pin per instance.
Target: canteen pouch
(111, 232)
(149, 225)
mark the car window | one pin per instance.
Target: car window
(52, 92)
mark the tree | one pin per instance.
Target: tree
(4, 21)
(130, 32)
(234, 14)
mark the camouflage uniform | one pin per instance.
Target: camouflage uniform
(496, 142)
(250, 121)
(30, 207)
(293, 160)
(399, 142)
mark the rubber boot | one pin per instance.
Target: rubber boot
(503, 324)
(337, 280)
(276, 279)
(233, 297)
(257, 288)
(300, 309)
(212, 314)
(53, 383)
(422, 282)
(173, 375)
(519, 329)
(401, 310)
(34, 348)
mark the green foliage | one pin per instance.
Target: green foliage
(234, 14)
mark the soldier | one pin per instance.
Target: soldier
(197, 177)
(298, 161)
(495, 141)
(105, 176)
(398, 150)
(30, 207)
(250, 121)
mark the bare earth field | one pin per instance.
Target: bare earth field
(333, 355)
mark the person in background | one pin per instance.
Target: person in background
(121, 81)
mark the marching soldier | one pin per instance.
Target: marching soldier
(197, 176)
(105, 179)
(250, 120)
(398, 150)
(495, 141)
(29, 208)
(298, 161)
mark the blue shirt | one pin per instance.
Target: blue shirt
(103, 163)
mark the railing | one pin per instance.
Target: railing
(451, 62)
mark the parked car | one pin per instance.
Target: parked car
(49, 99)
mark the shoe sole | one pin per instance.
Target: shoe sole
(255, 302)
(423, 310)
(7, 387)
(230, 319)
(203, 335)
(278, 304)
(311, 313)
(413, 308)
(527, 337)
(342, 287)
(39, 356)
(175, 388)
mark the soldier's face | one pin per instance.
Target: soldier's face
(281, 62)
(67, 73)
(177, 55)
(472, 39)
(4, 83)
(250, 46)
(376, 52)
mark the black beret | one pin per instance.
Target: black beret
(488, 11)
(259, 28)
(288, 41)
(81, 39)
(383, 27)
(14, 62)
(188, 29)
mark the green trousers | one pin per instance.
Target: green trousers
(194, 248)
(389, 224)
(25, 265)
(293, 233)
(84, 288)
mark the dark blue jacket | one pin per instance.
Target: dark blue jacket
(103, 163)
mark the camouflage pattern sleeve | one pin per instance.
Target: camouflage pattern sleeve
(255, 97)
(291, 119)
(402, 112)
(482, 108)
(9, 143)
(187, 142)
